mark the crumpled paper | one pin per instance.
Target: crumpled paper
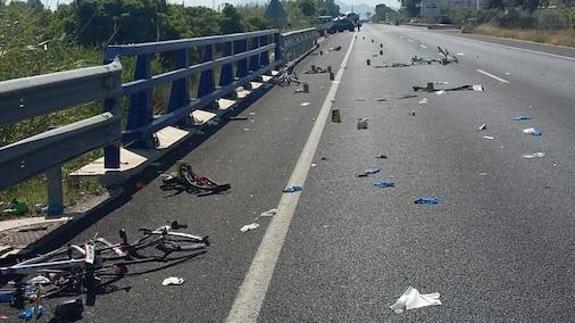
(173, 281)
(411, 299)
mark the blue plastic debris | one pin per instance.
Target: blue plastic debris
(384, 184)
(369, 171)
(292, 189)
(520, 118)
(381, 156)
(427, 200)
(27, 314)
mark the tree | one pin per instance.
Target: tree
(411, 7)
(231, 21)
(307, 7)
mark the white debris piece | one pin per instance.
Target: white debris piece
(271, 212)
(411, 299)
(39, 280)
(483, 127)
(422, 101)
(305, 104)
(478, 87)
(173, 281)
(460, 54)
(535, 155)
(489, 137)
(440, 92)
(249, 227)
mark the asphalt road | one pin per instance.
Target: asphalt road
(498, 247)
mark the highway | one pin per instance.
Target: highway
(498, 247)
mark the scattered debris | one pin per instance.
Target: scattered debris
(360, 99)
(381, 156)
(337, 48)
(535, 155)
(482, 127)
(368, 62)
(446, 57)
(287, 77)
(237, 118)
(412, 299)
(269, 213)
(40, 279)
(520, 118)
(369, 171)
(488, 137)
(412, 113)
(16, 207)
(305, 104)
(187, 181)
(335, 116)
(316, 70)
(69, 311)
(532, 131)
(427, 200)
(460, 54)
(249, 227)
(172, 281)
(408, 96)
(324, 158)
(362, 123)
(313, 164)
(482, 174)
(440, 92)
(292, 189)
(384, 184)
(430, 88)
(381, 99)
(422, 101)
(252, 113)
(31, 312)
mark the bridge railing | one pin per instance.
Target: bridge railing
(24, 98)
(235, 59)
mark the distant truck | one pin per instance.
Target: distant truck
(342, 23)
(323, 24)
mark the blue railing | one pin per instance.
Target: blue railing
(236, 59)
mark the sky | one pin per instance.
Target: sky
(208, 3)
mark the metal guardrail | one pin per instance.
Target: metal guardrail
(239, 59)
(45, 152)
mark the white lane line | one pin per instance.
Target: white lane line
(252, 292)
(519, 49)
(422, 46)
(492, 76)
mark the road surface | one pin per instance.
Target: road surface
(498, 247)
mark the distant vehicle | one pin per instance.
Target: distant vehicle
(342, 23)
(323, 24)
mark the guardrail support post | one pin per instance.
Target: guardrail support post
(179, 95)
(254, 60)
(278, 49)
(227, 72)
(242, 69)
(55, 192)
(140, 112)
(265, 56)
(207, 78)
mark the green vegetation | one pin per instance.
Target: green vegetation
(35, 41)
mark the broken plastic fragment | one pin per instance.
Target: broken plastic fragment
(173, 281)
(532, 131)
(483, 127)
(292, 189)
(440, 92)
(305, 104)
(271, 212)
(27, 314)
(39, 280)
(249, 227)
(411, 299)
(381, 156)
(384, 184)
(535, 155)
(489, 137)
(478, 87)
(422, 101)
(369, 171)
(362, 123)
(520, 118)
(427, 200)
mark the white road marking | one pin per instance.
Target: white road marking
(422, 46)
(520, 49)
(410, 40)
(492, 76)
(252, 292)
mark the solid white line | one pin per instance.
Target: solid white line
(252, 292)
(422, 46)
(492, 76)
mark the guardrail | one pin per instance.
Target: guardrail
(236, 58)
(28, 97)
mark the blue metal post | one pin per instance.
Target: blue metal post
(140, 112)
(265, 56)
(254, 60)
(242, 69)
(207, 78)
(179, 95)
(227, 73)
(278, 49)
(55, 192)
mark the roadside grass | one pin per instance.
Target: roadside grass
(561, 37)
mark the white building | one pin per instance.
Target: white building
(432, 8)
